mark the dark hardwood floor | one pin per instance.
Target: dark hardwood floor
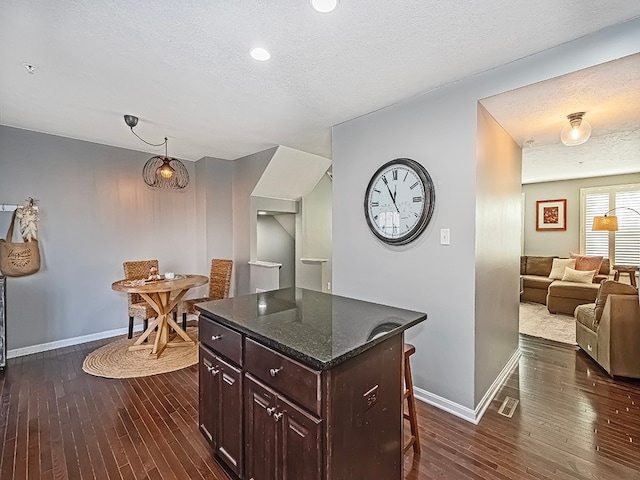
(573, 422)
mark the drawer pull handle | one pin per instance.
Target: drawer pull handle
(271, 410)
(213, 370)
(275, 371)
(216, 337)
(589, 347)
(277, 416)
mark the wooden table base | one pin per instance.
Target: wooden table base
(163, 304)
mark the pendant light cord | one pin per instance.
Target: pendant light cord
(152, 144)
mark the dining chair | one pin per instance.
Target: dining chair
(219, 282)
(138, 307)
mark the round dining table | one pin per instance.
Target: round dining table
(163, 295)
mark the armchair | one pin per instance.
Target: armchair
(609, 330)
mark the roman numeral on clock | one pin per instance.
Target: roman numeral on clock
(414, 185)
(375, 204)
(417, 199)
(395, 174)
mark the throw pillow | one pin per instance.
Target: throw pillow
(584, 262)
(609, 287)
(558, 266)
(578, 276)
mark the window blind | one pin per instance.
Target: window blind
(622, 246)
(596, 243)
(627, 238)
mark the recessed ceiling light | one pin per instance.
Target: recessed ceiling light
(260, 54)
(261, 212)
(324, 6)
(31, 68)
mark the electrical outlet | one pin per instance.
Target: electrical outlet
(370, 398)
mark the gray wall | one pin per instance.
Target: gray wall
(439, 129)
(214, 215)
(95, 213)
(275, 245)
(498, 230)
(247, 172)
(315, 238)
(561, 243)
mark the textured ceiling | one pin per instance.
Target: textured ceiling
(609, 94)
(184, 68)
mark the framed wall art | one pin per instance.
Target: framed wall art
(551, 215)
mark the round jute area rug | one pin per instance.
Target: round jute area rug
(114, 360)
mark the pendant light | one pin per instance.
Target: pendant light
(161, 171)
(577, 131)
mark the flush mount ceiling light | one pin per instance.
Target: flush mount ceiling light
(577, 131)
(260, 54)
(161, 171)
(324, 6)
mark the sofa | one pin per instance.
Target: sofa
(559, 296)
(609, 329)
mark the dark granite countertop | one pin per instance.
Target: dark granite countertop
(317, 329)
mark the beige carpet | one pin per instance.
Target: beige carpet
(535, 320)
(114, 360)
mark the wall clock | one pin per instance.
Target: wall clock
(399, 201)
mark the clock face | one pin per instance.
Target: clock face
(399, 201)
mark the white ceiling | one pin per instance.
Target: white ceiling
(184, 67)
(609, 94)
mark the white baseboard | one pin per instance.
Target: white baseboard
(497, 384)
(67, 342)
(443, 404)
(461, 411)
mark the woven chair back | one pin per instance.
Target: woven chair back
(220, 278)
(136, 271)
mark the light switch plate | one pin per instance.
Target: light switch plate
(445, 236)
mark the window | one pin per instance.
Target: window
(623, 246)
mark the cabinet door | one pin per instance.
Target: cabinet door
(208, 395)
(300, 444)
(229, 446)
(260, 431)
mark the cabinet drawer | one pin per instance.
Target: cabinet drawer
(221, 339)
(296, 381)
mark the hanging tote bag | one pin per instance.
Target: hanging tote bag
(18, 259)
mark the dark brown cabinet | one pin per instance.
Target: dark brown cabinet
(300, 444)
(221, 408)
(283, 442)
(207, 399)
(269, 416)
(260, 431)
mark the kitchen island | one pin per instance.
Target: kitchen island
(301, 385)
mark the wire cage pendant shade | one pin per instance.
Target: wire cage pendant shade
(166, 172)
(155, 173)
(161, 171)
